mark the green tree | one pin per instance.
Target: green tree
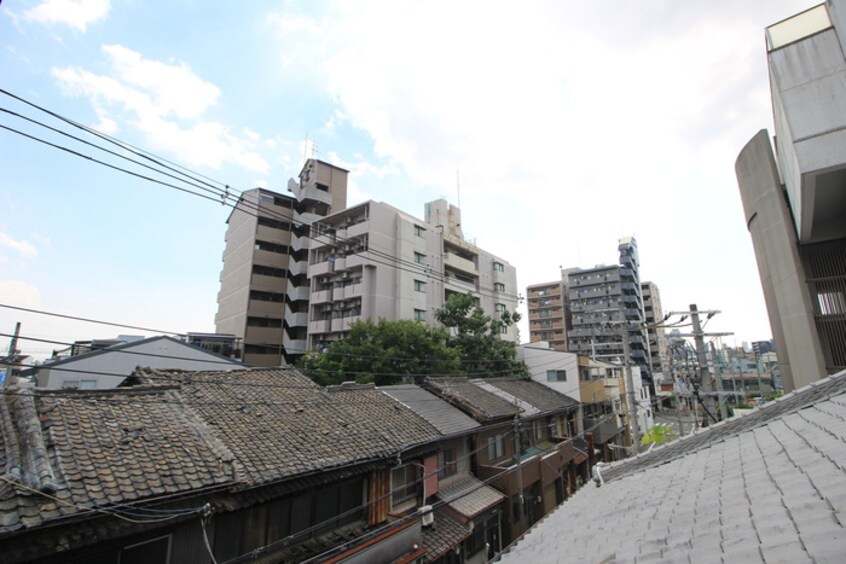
(387, 352)
(477, 338)
(658, 434)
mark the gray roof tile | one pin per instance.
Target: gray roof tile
(769, 485)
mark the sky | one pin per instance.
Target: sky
(558, 127)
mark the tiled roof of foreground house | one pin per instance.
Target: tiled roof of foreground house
(488, 399)
(179, 432)
(766, 486)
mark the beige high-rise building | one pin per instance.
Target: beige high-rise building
(548, 321)
(656, 336)
(264, 289)
(374, 261)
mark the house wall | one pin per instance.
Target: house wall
(124, 363)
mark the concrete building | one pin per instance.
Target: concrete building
(264, 289)
(548, 320)
(656, 336)
(599, 299)
(795, 203)
(374, 261)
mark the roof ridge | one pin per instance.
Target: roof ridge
(22, 432)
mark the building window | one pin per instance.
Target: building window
(420, 315)
(544, 313)
(496, 447)
(70, 385)
(419, 231)
(500, 308)
(88, 384)
(447, 463)
(556, 375)
(499, 287)
(403, 485)
(498, 266)
(419, 286)
(419, 258)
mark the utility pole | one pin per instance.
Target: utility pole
(630, 382)
(704, 374)
(719, 378)
(517, 458)
(13, 350)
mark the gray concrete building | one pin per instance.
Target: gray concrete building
(599, 299)
(264, 289)
(794, 199)
(374, 261)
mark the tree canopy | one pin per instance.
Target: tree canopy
(393, 352)
(387, 352)
(477, 337)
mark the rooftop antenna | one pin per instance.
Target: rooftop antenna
(305, 147)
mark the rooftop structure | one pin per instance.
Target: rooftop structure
(794, 200)
(766, 486)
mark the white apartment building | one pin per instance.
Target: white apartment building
(374, 261)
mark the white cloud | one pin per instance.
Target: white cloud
(73, 13)
(26, 249)
(20, 293)
(571, 124)
(165, 102)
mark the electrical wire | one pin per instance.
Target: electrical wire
(223, 195)
(95, 509)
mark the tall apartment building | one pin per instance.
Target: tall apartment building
(374, 261)
(794, 199)
(264, 289)
(656, 336)
(548, 320)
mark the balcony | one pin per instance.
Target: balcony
(460, 263)
(298, 292)
(258, 308)
(263, 335)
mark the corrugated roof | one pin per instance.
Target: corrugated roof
(446, 418)
(768, 486)
(470, 496)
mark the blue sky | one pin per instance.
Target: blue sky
(572, 124)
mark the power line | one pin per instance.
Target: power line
(223, 195)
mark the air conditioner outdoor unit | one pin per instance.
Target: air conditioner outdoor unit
(427, 517)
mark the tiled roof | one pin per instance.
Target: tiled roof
(181, 432)
(446, 418)
(91, 450)
(542, 397)
(470, 496)
(278, 423)
(768, 486)
(493, 398)
(481, 404)
(445, 533)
